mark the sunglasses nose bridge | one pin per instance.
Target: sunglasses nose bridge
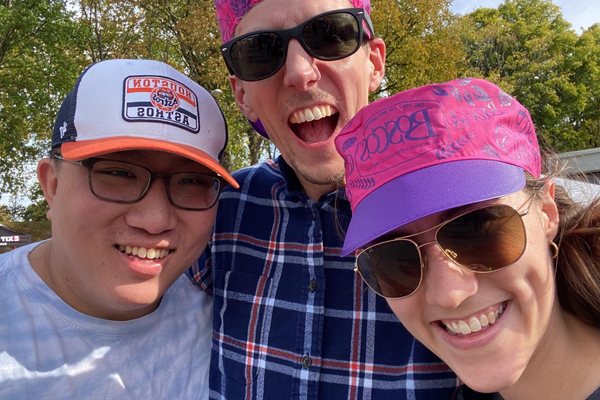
(422, 253)
(300, 69)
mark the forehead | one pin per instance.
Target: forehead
(158, 161)
(283, 14)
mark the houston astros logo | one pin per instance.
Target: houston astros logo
(152, 98)
(164, 99)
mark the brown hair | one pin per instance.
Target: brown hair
(578, 239)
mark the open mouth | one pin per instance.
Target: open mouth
(315, 124)
(147, 253)
(476, 323)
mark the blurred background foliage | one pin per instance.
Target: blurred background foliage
(525, 46)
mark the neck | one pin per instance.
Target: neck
(555, 371)
(315, 191)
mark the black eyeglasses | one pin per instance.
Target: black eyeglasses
(123, 182)
(484, 240)
(329, 36)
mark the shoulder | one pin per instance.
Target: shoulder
(185, 291)
(595, 395)
(16, 259)
(265, 173)
(256, 182)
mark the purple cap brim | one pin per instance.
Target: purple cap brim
(427, 191)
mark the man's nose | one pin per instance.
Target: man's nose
(154, 213)
(300, 69)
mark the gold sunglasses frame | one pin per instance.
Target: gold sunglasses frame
(437, 228)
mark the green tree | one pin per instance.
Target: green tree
(5, 214)
(36, 212)
(422, 44)
(37, 68)
(528, 48)
(200, 58)
(586, 73)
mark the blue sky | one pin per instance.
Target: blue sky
(580, 13)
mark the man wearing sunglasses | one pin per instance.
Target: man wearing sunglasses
(132, 183)
(291, 318)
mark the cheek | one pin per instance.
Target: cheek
(195, 231)
(539, 269)
(409, 312)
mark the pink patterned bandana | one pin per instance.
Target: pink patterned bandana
(231, 12)
(431, 149)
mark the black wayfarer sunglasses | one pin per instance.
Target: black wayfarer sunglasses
(330, 36)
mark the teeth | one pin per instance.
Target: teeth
(312, 114)
(484, 321)
(464, 328)
(455, 327)
(474, 324)
(142, 252)
(317, 113)
(308, 115)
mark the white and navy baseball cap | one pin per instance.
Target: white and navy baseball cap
(119, 105)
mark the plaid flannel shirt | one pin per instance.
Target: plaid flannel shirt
(292, 320)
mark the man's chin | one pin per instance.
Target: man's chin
(321, 175)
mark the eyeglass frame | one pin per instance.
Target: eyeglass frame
(437, 227)
(360, 14)
(88, 163)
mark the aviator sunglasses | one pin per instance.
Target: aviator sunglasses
(329, 36)
(484, 240)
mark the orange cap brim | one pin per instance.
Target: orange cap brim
(74, 151)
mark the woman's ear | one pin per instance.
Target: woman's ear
(550, 209)
(48, 179)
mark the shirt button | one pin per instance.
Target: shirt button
(314, 213)
(312, 285)
(306, 362)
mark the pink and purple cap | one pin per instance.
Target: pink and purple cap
(430, 149)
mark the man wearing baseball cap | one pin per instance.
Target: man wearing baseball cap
(132, 182)
(291, 319)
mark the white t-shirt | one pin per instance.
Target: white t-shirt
(49, 350)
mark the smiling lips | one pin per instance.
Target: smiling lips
(143, 252)
(314, 124)
(475, 323)
(312, 114)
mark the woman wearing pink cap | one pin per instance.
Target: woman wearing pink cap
(485, 261)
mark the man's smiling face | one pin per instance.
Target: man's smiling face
(306, 103)
(113, 260)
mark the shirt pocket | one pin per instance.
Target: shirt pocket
(242, 312)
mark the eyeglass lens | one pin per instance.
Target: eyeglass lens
(123, 182)
(483, 240)
(329, 37)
